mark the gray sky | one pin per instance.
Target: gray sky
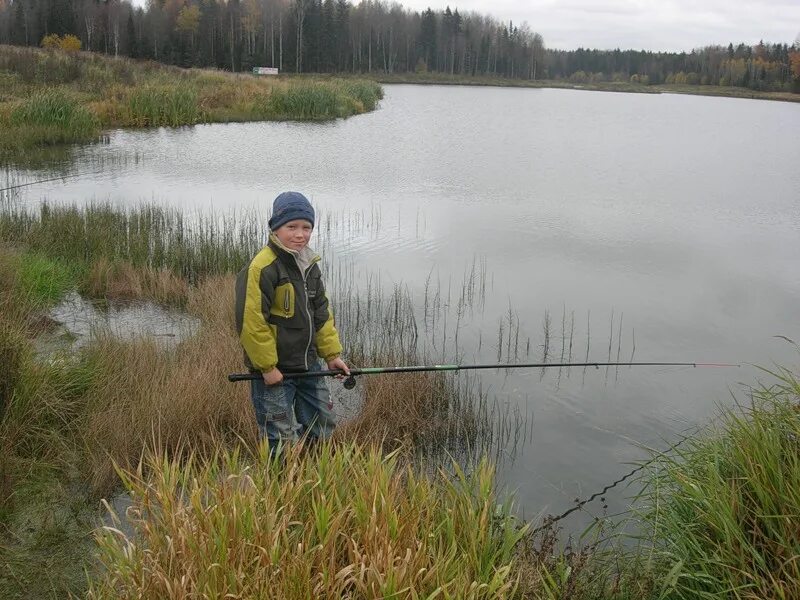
(642, 24)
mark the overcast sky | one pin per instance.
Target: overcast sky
(643, 24)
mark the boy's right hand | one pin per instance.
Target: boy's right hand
(273, 377)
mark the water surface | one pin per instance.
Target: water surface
(677, 215)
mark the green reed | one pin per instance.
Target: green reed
(148, 236)
(163, 106)
(47, 118)
(343, 522)
(322, 100)
(723, 508)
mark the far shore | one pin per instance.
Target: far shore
(602, 86)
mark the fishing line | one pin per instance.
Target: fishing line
(59, 178)
(579, 504)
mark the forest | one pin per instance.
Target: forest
(372, 37)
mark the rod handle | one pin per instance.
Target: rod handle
(243, 376)
(301, 375)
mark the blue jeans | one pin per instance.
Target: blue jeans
(293, 408)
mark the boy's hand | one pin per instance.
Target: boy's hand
(273, 377)
(338, 363)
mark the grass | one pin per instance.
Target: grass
(724, 508)
(343, 522)
(163, 107)
(322, 100)
(50, 98)
(45, 281)
(49, 117)
(46, 542)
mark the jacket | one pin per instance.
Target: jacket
(283, 316)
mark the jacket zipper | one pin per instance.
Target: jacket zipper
(308, 312)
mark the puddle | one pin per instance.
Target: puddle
(76, 318)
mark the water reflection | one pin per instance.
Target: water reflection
(74, 321)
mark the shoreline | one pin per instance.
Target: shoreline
(608, 86)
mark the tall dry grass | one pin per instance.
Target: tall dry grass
(146, 393)
(344, 523)
(121, 280)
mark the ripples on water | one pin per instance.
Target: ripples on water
(676, 214)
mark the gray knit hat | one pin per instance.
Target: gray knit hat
(289, 206)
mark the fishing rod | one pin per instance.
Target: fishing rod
(350, 382)
(59, 178)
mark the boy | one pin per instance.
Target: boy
(285, 325)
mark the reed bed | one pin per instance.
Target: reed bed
(163, 107)
(322, 100)
(145, 237)
(723, 508)
(50, 97)
(48, 117)
(347, 522)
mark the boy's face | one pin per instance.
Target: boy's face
(294, 234)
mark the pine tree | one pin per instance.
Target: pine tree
(133, 43)
(61, 18)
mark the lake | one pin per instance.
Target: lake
(659, 227)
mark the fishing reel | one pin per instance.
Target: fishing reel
(349, 383)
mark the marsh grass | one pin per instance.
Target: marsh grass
(49, 97)
(147, 236)
(724, 507)
(120, 280)
(44, 281)
(322, 100)
(52, 107)
(149, 394)
(343, 522)
(163, 106)
(48, 117)
(46, 545)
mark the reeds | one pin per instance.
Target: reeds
(723, 508)
(163, 106)
(345, 522)
(322, 100)
(51, 107)
(47, 118)
(149, 236)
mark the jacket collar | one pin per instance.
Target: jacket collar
(306, 256)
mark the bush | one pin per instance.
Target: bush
(51, 41)
(68, 43)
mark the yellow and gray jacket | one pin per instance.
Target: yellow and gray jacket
(282, 313)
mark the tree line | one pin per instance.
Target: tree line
(337, 36)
